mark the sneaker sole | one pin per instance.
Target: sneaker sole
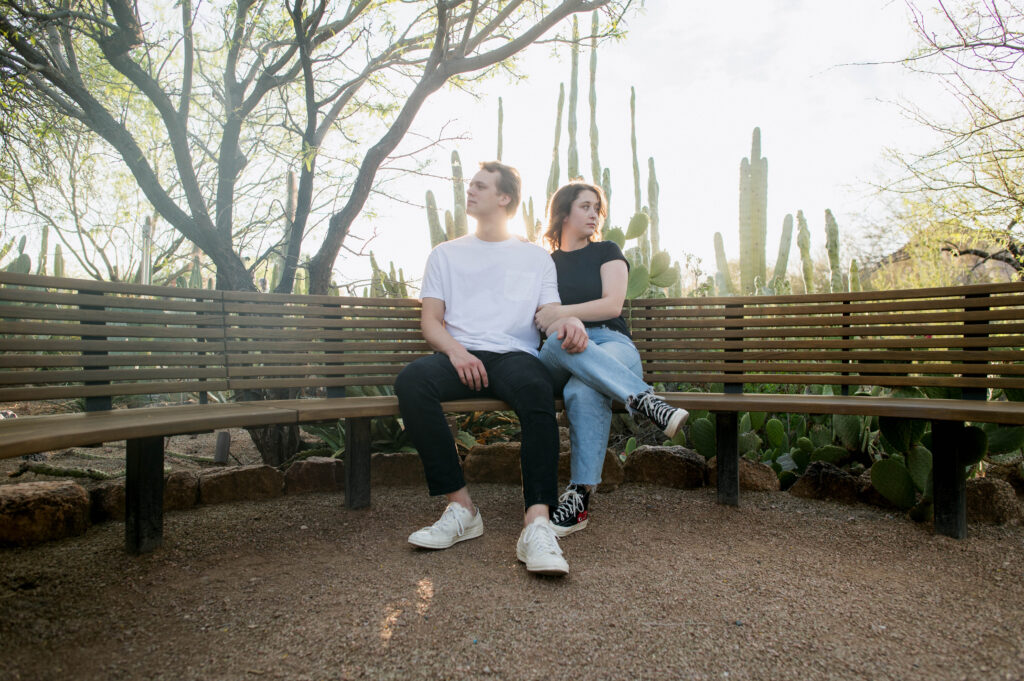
(472, 533)
(555, 569)
(566, 531)
(676, 422)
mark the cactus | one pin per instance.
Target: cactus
(437, 235)
(606, 185)
(195, 278)
(501, 121)
(573, 166)
(632, 141)
(21, 264)
(449, 225)
(554, 172)
(653, 190)
(753, 216)
(832, 246)
(854, 277)
(722, 278)
(778, 282)
(803, 241)
(702, 434)
(533, 225)
(58, 262)
(459, 187)
(41, 267)
(595, 160)
(892, 479)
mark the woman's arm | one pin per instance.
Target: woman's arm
(614, 277)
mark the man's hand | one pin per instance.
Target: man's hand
(546, 316)
(471, 369)
(571, 332)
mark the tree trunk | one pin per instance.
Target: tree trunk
(276, 444)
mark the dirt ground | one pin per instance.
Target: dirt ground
(664, 584)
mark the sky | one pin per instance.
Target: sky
(706, 74)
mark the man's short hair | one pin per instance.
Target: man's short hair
(509, 183)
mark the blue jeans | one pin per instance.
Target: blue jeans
(608, 369)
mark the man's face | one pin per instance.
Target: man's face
(483, 198)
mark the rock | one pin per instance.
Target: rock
(34, 512)
(181, 491)
(669, 466)
(823, 480)
(1011, 473)
(754, 476)
(992, 501)
(107, 501)
(241, 483)
(564, 440)
(498, 462)
(612, 473)
(315, 474)
(396, 469)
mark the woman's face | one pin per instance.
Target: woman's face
(584, 217)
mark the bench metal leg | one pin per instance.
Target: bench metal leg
(144, 494)
(728, 458)
(357, 462)
(949, 480)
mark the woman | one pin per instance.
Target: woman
(592, 277)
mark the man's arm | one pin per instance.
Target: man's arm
(470, 368)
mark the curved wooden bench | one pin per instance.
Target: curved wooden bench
(316, 357)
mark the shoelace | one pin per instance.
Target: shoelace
(655, 409)
(542, 537)
(447, 518)
(569, 504)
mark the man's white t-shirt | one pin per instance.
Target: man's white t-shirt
(491, 290)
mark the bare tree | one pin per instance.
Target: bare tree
(220, 81)
(971, 185)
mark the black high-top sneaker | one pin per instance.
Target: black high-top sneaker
(571, 514)
(665, 416)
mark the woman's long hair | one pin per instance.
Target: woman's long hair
(561, 205)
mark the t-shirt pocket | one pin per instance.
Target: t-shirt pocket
(520, 285)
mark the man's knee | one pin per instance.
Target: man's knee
(412, 380)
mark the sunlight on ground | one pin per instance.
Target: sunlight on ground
(424, 593)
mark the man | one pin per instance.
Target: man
(480, 293)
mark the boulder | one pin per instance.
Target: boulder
(1011, 473)
(107, 501)
(395, 469)
(35, 512)
(315, 474)
(497, 462)
(754, 476)
(823, 480)
(181, 491)
(240, 483)
(671, 466)
(992, 501)
(612, 473)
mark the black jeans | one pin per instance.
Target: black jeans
(518, 378)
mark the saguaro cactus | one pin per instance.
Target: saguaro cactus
(459, 187)
(778, 283)
(553, 174)
(606, 185)
(832, 246)
(41, 267)
(632, 141)
(653, 190)
(723, 280)
(437, 235)
(803, 241)
(501, 123)
(753, 215)
(595, 160)
(573, 166)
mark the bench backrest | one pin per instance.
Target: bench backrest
(70, 339)
(965, 337)
(67, 339)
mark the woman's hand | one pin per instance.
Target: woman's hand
(571, 332)
(547, 315)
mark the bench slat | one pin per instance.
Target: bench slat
(44, 361)
(30, 377)
(111, 331)
(836, 379)
(111, 389)
(39, 297)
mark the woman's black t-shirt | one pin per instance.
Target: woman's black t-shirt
(579, 277)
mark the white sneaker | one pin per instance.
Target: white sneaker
(456, 524)
(538, 548)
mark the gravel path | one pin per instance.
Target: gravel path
(664, 584)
